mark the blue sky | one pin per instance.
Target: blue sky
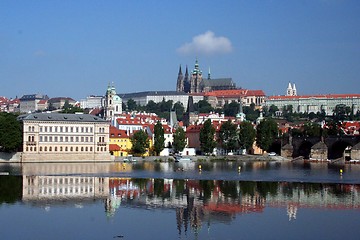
(75, 48)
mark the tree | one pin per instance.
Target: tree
(273, 109)
(247, 135)
(179, 109)
(207, 141)
(179, 139)
(10, 133)
(228, 136)
(266, 132)
(231, 109)
(159, 138)
(131, 105)
(203, 107)
(140, 142)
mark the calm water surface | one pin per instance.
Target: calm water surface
(146, 200)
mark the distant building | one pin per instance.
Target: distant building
(143, 98)
(59, 102)
(291, 90)
(91, 102)
(196, 84)
(56, 137)
(315, 103)
(30, 103)
(218, 99)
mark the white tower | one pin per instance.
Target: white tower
(289, 90)
(112, 104)
(294, 93)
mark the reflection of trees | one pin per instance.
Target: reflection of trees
(10, 189)
(179, 187)
(229, 188)
(207, 187)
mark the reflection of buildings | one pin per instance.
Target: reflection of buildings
(204, 202)
(59, 188)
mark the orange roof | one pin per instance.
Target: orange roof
(117, 133)
(235, 93)
(114, 147)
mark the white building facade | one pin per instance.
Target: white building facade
(315, 103)
(55, 137)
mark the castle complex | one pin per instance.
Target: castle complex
(195, 83)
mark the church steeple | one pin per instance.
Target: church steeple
(180, 81)
(209, 74)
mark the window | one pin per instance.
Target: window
(41, 129)
(61, 139)
(82, 139)
(71, 139)
(77, 139)
(45, 139)
(45, 129)
(29, 129)
(91, 129)
(71, 129)
(66, 129)
(50, 129)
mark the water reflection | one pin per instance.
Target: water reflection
(192, 199)
(194, 204)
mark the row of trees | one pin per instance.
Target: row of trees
(231, 137)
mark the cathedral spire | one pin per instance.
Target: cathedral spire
(209, 74)
(180, 72)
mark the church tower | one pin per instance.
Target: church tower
(294, 92)
(289, 90)
(180, 81)
(186, 81)
(112, 104)
(196, 79)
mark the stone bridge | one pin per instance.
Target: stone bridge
(332, 147)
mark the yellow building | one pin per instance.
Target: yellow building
(120, 144)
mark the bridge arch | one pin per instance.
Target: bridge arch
(305, 149)
(340, 149)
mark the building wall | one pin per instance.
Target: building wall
(62, 140)
(314, 104)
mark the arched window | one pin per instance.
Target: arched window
(45, 149)
(77, 149)
(29, 128)
(50, 149)
(71, 149)
(82, 149)
(66, 149)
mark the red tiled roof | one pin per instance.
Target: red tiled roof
(117, 133)
(114, 147)
(235, 93)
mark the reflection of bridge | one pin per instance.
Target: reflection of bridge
(333, 147)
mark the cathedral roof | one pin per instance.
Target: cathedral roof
(218, 82)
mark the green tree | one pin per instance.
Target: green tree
(203, 107)
(247, 135)
(179, 139)
(10, 133)
(179, 109)
(159, 138)
(228, 136)
(152, 107)
(272, 110)
(140, 143)
(231, 109)
(131, 105)
(207, 141)
(266, 132)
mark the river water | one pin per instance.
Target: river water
(191, 200)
